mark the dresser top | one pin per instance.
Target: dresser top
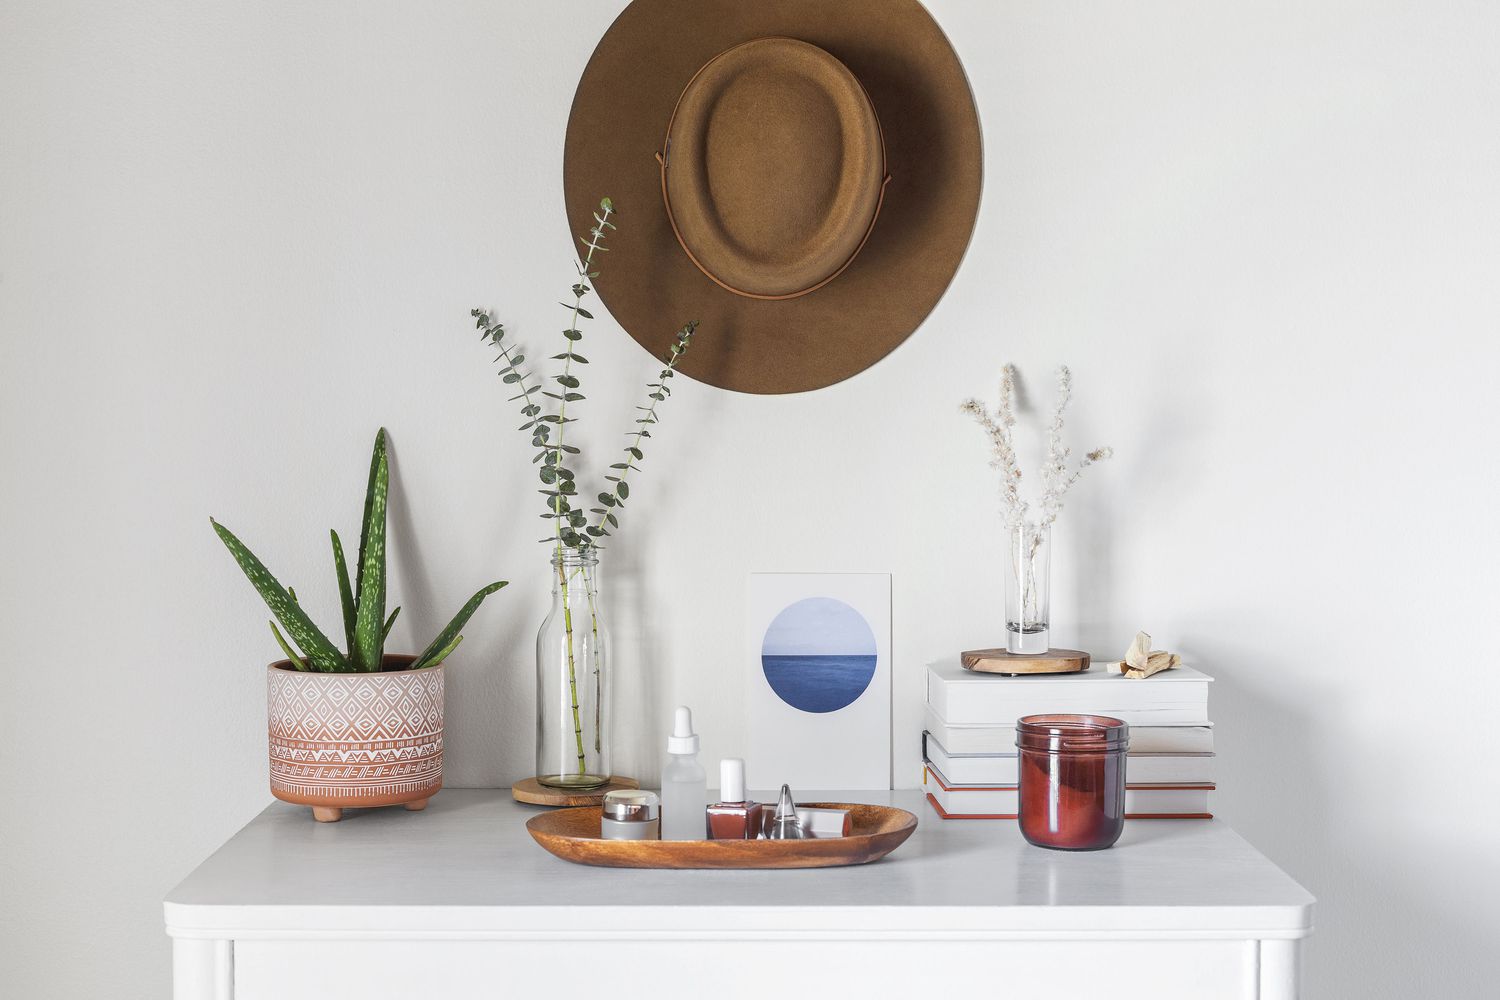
(468, 865)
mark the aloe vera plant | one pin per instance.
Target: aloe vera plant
(366, 625)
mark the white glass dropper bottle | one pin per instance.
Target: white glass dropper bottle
(684, 783)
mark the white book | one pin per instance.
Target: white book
(1004, 769)
(1003, 801)
(1002, 739)
(966, 698)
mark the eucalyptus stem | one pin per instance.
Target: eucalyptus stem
(589, 590)
(566, 380)
(615, 498)
(569, 383)
(571, 530)
(562, 581)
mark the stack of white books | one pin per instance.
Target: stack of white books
(969, 746)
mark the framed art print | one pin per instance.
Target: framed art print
(818, 678)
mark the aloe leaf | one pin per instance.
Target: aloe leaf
(444, 642)
(369, 609)
(321, 653)
(386, 632)
(346, 595)
(286, 648)
(440, 656)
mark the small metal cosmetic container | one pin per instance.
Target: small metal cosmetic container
(630, 814)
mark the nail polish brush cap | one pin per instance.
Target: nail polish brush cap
(732, 779)
(683, 740)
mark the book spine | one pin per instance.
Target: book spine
(1001, 801)
(944, 814)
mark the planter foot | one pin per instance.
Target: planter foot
(327, 814)
(416, 806)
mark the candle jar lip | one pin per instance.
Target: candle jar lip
(1065, 733)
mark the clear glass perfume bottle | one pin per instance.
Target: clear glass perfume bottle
(785, 825)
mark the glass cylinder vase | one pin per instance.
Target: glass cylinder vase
(1027, 605)
(572, 678)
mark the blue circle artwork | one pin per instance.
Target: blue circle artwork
(818, 655)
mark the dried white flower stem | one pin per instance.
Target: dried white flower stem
(1000, 427)
(1057, 480)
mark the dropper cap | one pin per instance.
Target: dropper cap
(732, 779)
(784, 825)
(683, 740)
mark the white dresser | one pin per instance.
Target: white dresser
(458, 901)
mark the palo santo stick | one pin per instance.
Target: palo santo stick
(1141, 661)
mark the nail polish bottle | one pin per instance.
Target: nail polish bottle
(735, 817)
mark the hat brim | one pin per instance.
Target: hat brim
(933, 154)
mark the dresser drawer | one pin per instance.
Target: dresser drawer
(680, 967)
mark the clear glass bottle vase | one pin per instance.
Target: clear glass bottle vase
(572, 678)
(1027, 604)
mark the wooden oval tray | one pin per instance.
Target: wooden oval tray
(573, 835)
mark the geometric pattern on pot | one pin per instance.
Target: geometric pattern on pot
(355, 739)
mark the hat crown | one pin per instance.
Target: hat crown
(773, 168)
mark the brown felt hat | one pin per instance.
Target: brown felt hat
(801, 176)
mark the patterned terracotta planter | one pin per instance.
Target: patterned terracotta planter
(345, 741)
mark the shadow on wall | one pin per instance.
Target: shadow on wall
(635, 659)
(491, 691)
(647, 685)
(1376, 905)
(414, 588)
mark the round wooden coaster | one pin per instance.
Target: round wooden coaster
(534, 793)
(1000, 661)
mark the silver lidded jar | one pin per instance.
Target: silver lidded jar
(630, 814)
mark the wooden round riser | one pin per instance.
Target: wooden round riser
(1002, 661)
(534, 793)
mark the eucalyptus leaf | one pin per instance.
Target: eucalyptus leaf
(572, 528)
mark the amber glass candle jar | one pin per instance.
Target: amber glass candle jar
(1072, 780)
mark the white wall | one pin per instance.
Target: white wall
(235, 238)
